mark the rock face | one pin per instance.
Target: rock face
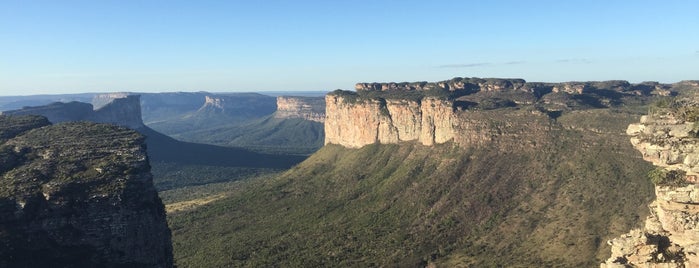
(307, 108)
(467, 111)
(124, 111)
(671, 235)
(78, 194)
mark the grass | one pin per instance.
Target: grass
(411, 205)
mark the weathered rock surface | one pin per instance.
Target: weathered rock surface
(307, 108)
(671, 234)
(78, 194)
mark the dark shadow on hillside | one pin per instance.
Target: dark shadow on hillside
(166, 149)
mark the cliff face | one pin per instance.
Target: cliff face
(470, 111)
(120, 111)
(79, 194)
(307, 108)
(100, 100)
(124, 111)
(670, 238)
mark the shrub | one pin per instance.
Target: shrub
(663, 177)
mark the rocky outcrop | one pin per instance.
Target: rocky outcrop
(78, 194)
(307, 108)
(124, 111)
(668, 138)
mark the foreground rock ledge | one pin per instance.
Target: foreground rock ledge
(78, 195)
(671, 234)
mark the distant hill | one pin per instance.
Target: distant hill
(125, 111)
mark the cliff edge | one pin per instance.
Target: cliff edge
(470, 111)
(669, 138)
(78, 194)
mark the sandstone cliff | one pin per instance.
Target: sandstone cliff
(78, 194)
(669, 139)
(307, 108)
(468, 111)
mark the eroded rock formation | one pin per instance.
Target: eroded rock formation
(78, 194)
(307, 108)
(671, 235)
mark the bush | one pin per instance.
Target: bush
(663, 177)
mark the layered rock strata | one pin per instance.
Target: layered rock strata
(467, 111)
(354, 123)
(307, 108)
(78, 194)
(671, 234)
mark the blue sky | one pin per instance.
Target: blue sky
(155, 46)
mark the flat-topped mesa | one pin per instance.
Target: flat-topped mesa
(432, 113)
(124, 111)
(100, 100)
(307, 108)
(669, 138)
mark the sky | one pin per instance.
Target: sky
(57, 47)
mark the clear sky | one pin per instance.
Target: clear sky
(154, 46)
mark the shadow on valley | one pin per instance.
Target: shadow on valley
(162, 148)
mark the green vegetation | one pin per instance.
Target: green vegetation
(663, 177)
(682, 108)
(267, 135)
(168, 175)
(408, 205)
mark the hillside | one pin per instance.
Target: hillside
(407, 204)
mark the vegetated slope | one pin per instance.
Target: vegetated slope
(214, 110)
(269, 134)
(408, 205)
(178, 156)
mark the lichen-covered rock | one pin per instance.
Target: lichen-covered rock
(668, 140)
(79, 195)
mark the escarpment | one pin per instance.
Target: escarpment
(668, 138)
(470, 111)
(307, 108)
(78, 194)
(123, 110)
